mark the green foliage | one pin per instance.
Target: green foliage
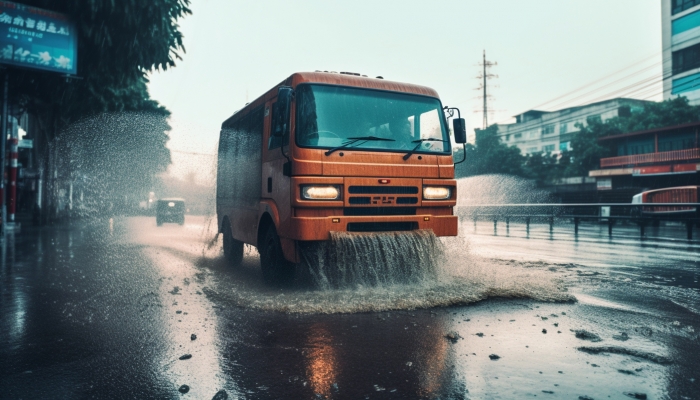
(110, 134)
(119, 41)
(587, 152)
(115, 157)
(541, 167)
(489, 156)
(671, 112)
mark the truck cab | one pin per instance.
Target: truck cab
(324, 152)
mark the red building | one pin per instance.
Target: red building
(651, 159)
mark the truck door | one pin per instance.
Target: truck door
(275, 185)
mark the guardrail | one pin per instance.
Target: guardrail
(576, 213)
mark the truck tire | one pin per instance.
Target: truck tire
(233, 249)
(276, 270)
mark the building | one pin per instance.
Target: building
(680, 24)
(651, 159)
(551, 131)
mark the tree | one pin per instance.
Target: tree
(119, 42)
(586, 151)
(541, 167)
(489, 156)
(115, 158)
(670, 112)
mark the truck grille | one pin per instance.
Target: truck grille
(364, 211)
(383, 200)
(382, 196)
(381, 226)
(383, 190)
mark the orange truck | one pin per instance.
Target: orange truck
(333, 152)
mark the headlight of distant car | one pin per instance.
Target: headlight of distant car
(320, 192)
(437, 193)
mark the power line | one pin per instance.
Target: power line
(653, 90)
(596, 81)
(629, 89)
(622, 79)
(636, 63)
(686, 89)
(555, 137)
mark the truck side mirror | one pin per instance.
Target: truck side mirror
(284, 102)
(460, 129)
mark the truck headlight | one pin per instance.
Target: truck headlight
(320, 192)
(437, 192)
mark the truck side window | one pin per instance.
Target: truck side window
(276, 141)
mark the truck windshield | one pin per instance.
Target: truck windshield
(332, 116)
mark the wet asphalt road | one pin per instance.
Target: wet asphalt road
(93, 311)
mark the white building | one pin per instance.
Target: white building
(551, 131)
(680, 25)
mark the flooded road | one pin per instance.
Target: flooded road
(132, 310)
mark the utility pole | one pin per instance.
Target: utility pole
(483, 77)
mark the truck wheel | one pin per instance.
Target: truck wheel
(233, 249)
(276, 270)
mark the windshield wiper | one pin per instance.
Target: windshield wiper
(352, 140)
(420, 142)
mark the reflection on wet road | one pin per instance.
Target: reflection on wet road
(94, 312)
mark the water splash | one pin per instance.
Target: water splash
(106, 164)
(457, 277)
(483, 196)
(499, 189)
(351, 260)
(371, 272)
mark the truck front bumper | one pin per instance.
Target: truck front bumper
(311, 228)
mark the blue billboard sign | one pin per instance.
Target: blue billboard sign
(36, 38)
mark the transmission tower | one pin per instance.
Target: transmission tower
(484, 77)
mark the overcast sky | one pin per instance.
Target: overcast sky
(583, 50)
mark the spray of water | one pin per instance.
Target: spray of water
(499, 189)
(370, 272)
(446, 273)
(106, 164)
(351, 273)
(460, 278)
(352, 260)
(482, 196)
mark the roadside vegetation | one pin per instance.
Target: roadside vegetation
(105, 115)
(488, 155)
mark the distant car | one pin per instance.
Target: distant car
(680, 194)
(170, 210)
